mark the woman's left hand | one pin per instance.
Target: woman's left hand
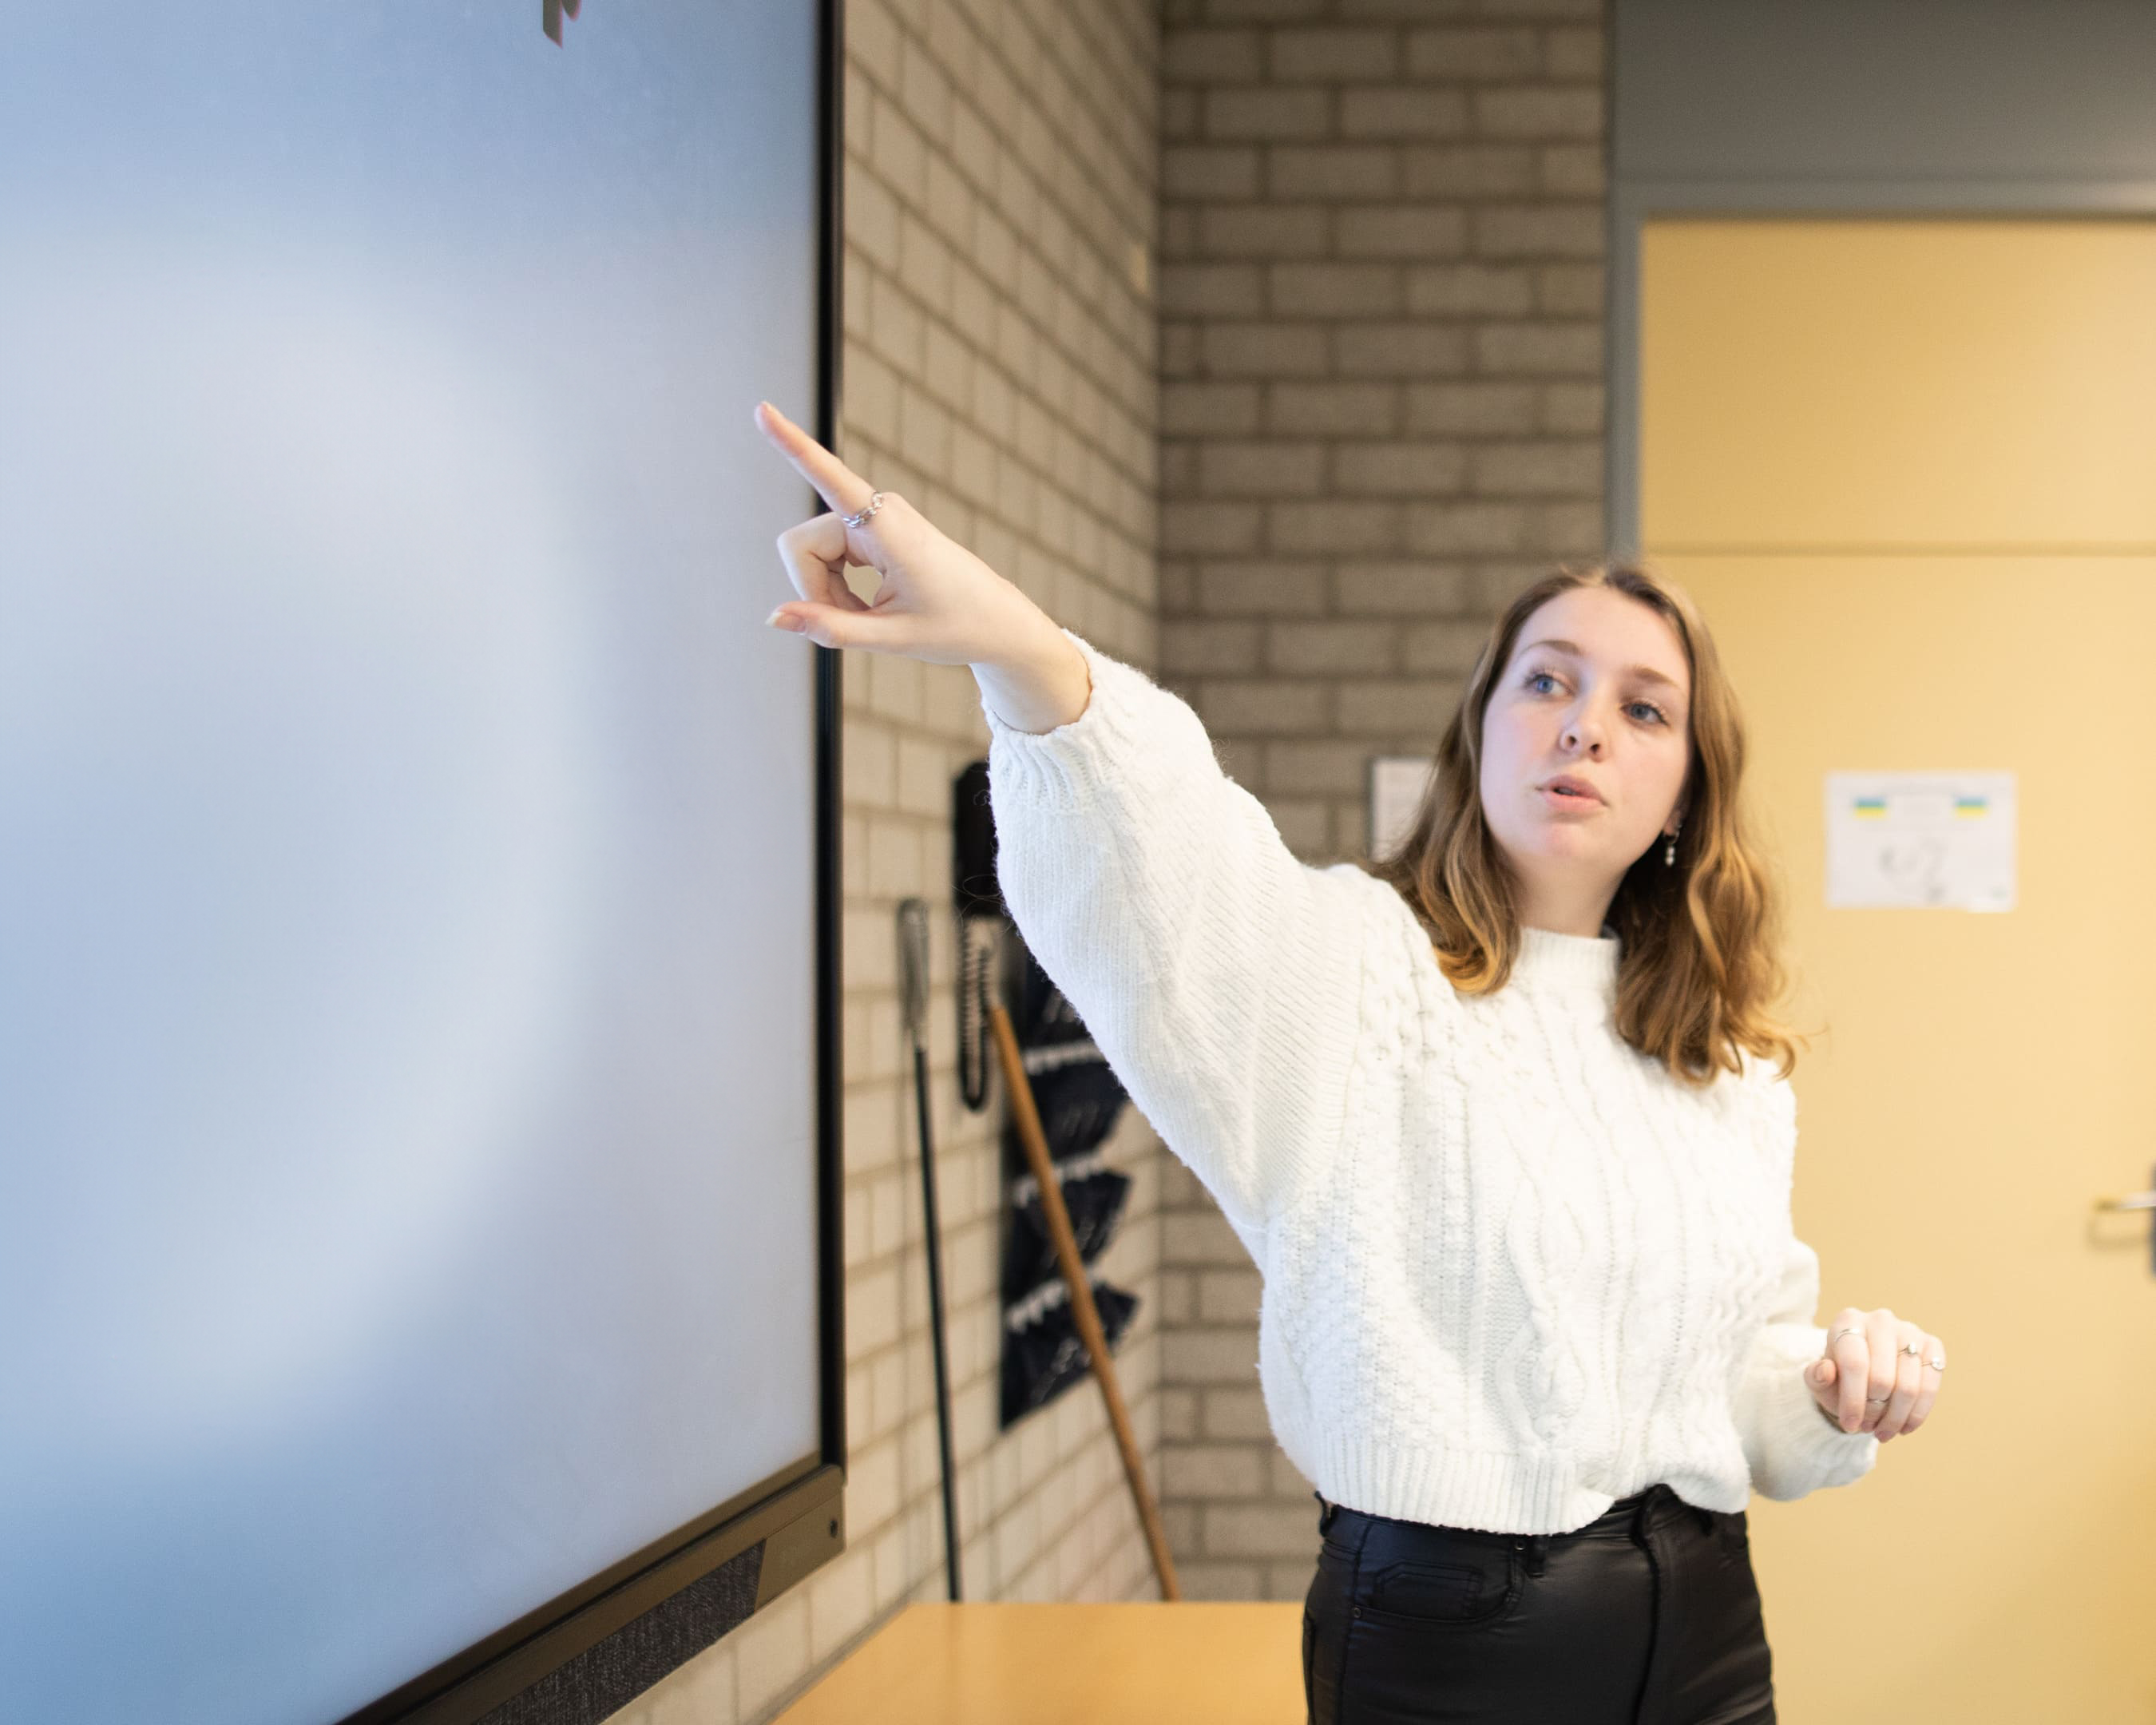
(1874, 1361)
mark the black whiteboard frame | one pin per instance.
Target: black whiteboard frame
(591, 1651)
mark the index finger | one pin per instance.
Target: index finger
(837, 484)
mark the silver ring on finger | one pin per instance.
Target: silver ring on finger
(875, 502)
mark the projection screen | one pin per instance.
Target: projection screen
(416, 880)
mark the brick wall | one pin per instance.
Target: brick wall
(1366, 408)
(1001, 194)
(1381, 302)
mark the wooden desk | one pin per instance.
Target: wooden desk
(1192, 1662)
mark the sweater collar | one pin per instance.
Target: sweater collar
(1548, 959)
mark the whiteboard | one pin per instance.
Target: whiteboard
(407, 840)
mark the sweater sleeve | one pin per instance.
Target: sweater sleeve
(1790, 1447)
(1219, 975)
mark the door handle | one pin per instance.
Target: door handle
(2136, 1201)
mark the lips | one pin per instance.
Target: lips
(1573, 789)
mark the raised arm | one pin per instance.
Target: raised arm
(1219, 975)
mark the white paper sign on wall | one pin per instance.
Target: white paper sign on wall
(1920, 841)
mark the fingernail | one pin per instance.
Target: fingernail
(779, 620)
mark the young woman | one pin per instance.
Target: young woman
(1495, 1117)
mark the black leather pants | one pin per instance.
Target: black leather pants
(1647, 1616)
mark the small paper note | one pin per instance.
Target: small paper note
(1920, 841)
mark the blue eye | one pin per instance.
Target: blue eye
(1534, 677)
(1660, 717)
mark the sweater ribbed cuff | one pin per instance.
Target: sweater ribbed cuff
(1063, 764)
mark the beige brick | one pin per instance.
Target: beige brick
(1399, 470)
(898, 150)
(1263, 708)
(1469, 170)
(1410, 11)
(1486, 53)
(1263, 349)
(1551, 113)
(1179, 1407)
(1448, 646)
(1570, 290)
(1394, 706)
(1541, 349)
(1406, 114)
(1544, 468)
(1406, 349)
(1305, 824)
(1471, 291)
(1234, 1411)
(1401, 231)
(1570, 530)
(1471, 409)
(1208, 1578)
(1211, 289)
(1334, 767)
(1192, 649)
(1573, 171)
(1335, 289)
(1250, 587)
(1270, 113)
(1495, 584)
(1573, 407)
(1259, 1530)
(1291, 1580)
(1330, 528)
(1317, 410)
(1550, 231)
(1334, 171)
(1209, 170)
(924, 87)
(1468, 527)
(872, 214)
(1201, 409)
(1285, 1482)
(1196, 56)
(1256, 230)
(1261, 469)
(1211, 1470)
(1229, 1296)
(1204, 1357)
(1210, 527)
(1573, 53)
(770, 1652)
(870, 768)
(1399, 588)
(1333, 56)
(1182, 115)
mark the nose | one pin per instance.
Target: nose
(1582, 730)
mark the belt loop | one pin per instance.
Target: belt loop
(1327, 1512)
(1536, 1547)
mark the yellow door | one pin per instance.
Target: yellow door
(1908, 470)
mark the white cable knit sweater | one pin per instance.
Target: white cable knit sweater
(1512, 1270)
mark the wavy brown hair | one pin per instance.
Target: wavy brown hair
(1699, 943)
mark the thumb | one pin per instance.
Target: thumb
(1820, 1373)
(826, 625)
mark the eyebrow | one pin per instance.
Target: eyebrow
(1645, 673)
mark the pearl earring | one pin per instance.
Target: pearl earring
(1669, 850)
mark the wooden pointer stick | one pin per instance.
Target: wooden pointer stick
(1027, 1118)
